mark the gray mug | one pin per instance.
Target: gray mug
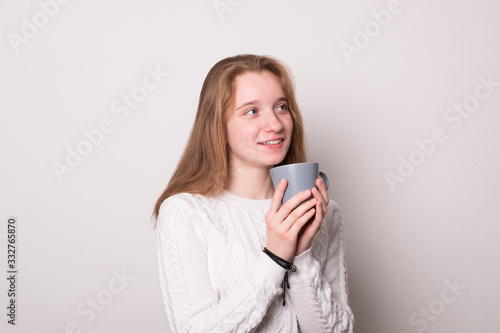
(300, 177)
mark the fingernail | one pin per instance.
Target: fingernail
(307, 192)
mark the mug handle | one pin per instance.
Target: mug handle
(325, 179)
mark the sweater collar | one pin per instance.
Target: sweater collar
(262, 205)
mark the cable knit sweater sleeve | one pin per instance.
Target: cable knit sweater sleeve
(191, 303)
(318, 289)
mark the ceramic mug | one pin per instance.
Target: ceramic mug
(300, 177)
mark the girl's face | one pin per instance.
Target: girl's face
(259, 126)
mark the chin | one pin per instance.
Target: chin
(272, 163)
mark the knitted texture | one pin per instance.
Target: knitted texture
(214, 276)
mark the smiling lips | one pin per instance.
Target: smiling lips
(271, 142)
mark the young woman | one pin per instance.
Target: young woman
(231, 258)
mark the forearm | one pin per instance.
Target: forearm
(193, 306)
(313, 300)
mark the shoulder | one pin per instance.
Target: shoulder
(333, 206)
(184, 204)
(181, 216)
(333, 215)
(329, 239)
(181, 203)
(332, 226)
(187, 206)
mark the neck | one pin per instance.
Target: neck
(252, 183)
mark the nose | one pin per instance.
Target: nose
(272, 123)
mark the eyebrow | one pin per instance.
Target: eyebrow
(281, 99)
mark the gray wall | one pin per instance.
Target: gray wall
(401, 103)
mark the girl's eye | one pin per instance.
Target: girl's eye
(283, 107)
(251, 111)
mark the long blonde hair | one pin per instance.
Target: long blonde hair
(203, 167)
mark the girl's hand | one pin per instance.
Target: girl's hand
(283, 224)
(310, 230)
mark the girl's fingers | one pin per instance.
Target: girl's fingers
(300, 222)
(292, 219)
(288, 219)
(283, 227)
(321, 211)
(323, 190)
(289, 212)
(317, 194)
(315, 224)
(291, 204)
(278, 196)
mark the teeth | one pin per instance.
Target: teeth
(274, 142)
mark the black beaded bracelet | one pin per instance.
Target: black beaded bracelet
(290, 267)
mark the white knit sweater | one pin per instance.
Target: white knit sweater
(214, 276)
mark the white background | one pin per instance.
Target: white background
(363, 113)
